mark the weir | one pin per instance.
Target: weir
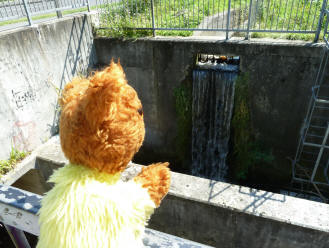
(212, 107)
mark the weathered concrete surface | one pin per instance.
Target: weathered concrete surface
(35, 64)
(230, 216)
(281, 76)
(226, 215)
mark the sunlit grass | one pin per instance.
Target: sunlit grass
(123, 17)
(15, 157)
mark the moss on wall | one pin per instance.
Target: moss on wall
(183, 106)
(248, 152)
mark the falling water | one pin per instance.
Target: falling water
(213, 100)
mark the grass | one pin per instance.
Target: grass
(15, 157)
(50, 15)
(126, 15)
(122, 18)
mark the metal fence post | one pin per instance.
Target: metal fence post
(27, 11)
(153, 24)
(88, 5)
(228, 18)
(249, 19)
(318, 31)
(58, 12)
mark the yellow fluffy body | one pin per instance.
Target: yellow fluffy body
(87, 208)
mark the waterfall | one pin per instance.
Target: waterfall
(212, 107)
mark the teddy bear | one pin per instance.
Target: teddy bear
(101, 128)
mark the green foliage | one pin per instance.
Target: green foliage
(304, 37)
(183, 104)
(247, 151)
(289, 14)
(121, 18)
(14, 158)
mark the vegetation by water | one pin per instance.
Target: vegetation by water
(248, 153)
(15, 157)
(122, 18)
(183, 104)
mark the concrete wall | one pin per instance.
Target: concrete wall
(230, 216)
(281, 76)
(218, 214)
(35, 63)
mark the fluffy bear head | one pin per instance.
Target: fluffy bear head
(101, 123)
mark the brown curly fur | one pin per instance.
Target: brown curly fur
(156, 178)
(101, 123)
(102, 126)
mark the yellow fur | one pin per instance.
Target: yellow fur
(88, 208)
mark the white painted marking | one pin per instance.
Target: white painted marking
(6, 200)
(27, 206)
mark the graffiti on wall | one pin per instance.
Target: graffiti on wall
(24, 135)
(23, 98)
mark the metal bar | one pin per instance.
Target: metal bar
(234, 9)
(58, 12)
(203, 12)
(153, 25)
(292, 4)
(88, 5)
(17, 237)
(228, 18)
(272, 15)
(218, 11)
(213, 12)
(301, 19)
(317, 34)
(268, 7)
(27, 11)
(309, 13)
(315, 145)
(223, 13)
(249, 18)
(220, 29)
(296, 15)
(308, 181)
(285, 12)
(310, 111)
(239, 19)
(277, 20)
(316, 9)
(320, 153)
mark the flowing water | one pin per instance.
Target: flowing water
(212, 107)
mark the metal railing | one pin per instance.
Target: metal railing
(311, 164)
(279, 16)
(16, 9)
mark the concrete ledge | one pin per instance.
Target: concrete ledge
(224, 215)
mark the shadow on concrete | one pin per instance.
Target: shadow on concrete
(213, 194)
(259, 198)
(80, 58)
